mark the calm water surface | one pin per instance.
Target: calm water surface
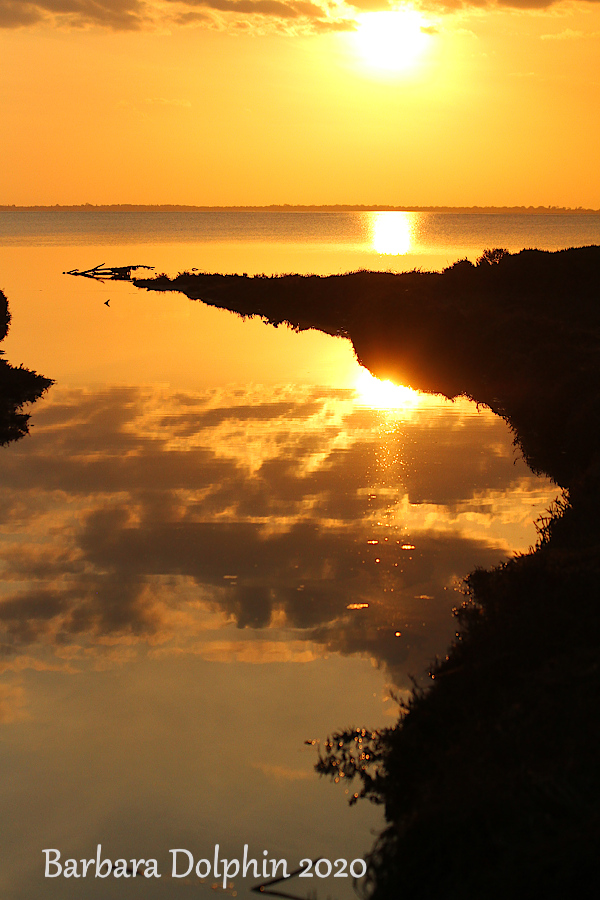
(221, 540)
(324, 242)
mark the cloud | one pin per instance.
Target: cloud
(372, 5)
(133, 15)
(121, 15)
(567, 35)
(451, 6)
(290, 16)
(189, 423)
(300, 14)
(530, 4)
(278, 8)
(16, 13)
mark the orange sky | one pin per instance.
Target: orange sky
(288, 101)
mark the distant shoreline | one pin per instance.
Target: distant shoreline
(462, 210)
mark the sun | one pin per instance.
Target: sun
(392, 40)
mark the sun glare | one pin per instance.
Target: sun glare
(378, 394)
(391, 40)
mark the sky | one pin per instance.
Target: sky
(250, 102)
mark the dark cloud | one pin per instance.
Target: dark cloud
(120, 15)
(292, 15)
(324, 25)
(372, 5)
(17, 13)
(105, 474)
(532, 4)
(452, 5)
(190, 18)
(191, 422)
(278, 8)
(313, 15)
(94, 607)
(128, 15)
(309, 574)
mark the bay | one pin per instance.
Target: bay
(221, 540)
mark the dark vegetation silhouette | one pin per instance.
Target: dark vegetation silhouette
(490, 779)
(17, 387)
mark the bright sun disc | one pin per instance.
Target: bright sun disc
(391, 40)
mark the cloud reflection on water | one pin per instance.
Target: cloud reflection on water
(243, 524)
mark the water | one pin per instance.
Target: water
(221, 540)
(327, 241)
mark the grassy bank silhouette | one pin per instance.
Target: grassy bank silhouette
(489, 780)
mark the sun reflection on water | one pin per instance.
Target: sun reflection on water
(377, 394)
(392, 232)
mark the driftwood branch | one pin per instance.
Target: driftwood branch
(106, 273)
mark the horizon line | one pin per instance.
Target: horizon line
(297, 207)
